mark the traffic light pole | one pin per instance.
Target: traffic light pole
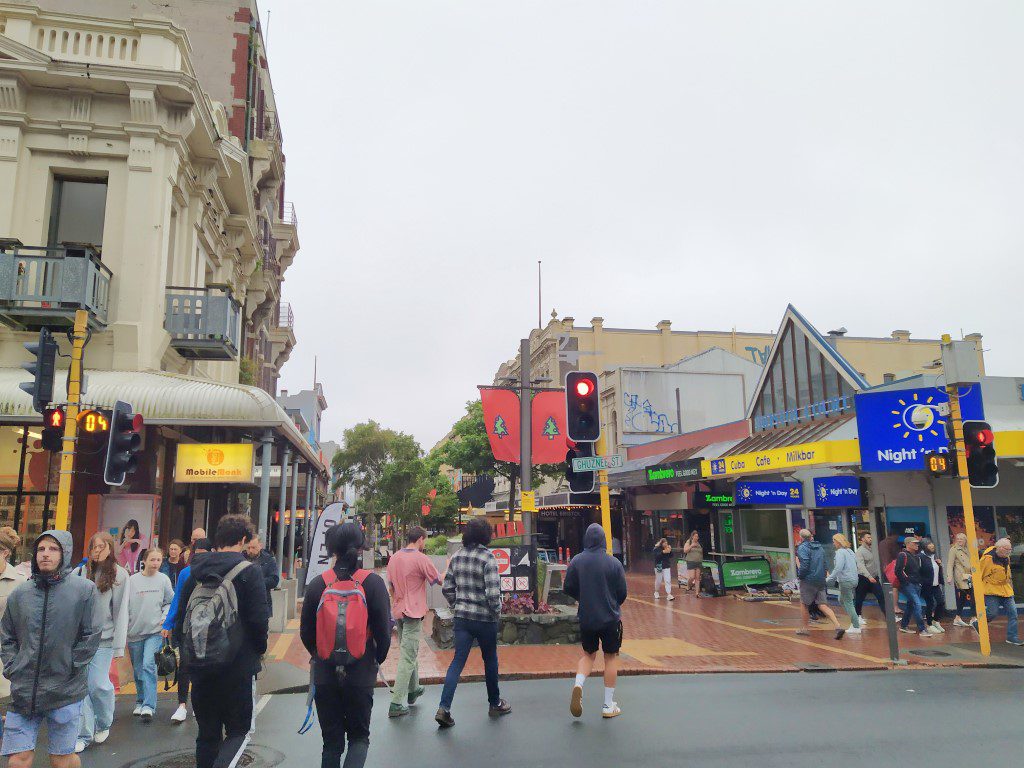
(968, 503)
(67, 456)
(606, 507)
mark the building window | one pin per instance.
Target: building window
(76, 215)
(765, 528)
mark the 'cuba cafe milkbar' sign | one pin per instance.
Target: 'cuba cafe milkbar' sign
(214, 463)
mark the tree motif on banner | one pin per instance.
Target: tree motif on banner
(551, 428)
(500, 430)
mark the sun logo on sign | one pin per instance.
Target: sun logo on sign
(745, 492)
(823, 493)
(917, 418)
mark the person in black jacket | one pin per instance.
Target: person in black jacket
(267, 564)
(908, 574)
(344, 706)
(223, 699)
(598, 582)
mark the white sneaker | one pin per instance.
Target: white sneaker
(146, 714)
(926, 633)
(656, 595)
(909, 631)
(101, 736)
(80, 747)
(611, 711)
(671, 597)
(137, 711)
(180, 714)
(937, 628)
(932, 629)
(958, 622)
(853, 631)
(862, 621)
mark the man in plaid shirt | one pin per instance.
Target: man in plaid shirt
(471, 587)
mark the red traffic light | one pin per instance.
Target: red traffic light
(138, 422)
(54, 417)
(985, 437)
(584, 387)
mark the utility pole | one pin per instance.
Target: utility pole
(602, 479)
(526, 457)
(67, 455)
(960, 366)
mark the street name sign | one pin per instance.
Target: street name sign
(597, 463)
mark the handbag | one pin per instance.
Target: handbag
(167, 664)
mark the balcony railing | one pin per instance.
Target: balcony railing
(285, 318)
(203, 322)
(288, 215)
(45, 286)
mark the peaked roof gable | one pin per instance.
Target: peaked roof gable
(13, 50)
(829, 353)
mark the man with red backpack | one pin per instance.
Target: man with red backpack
(221, 627)
(346, 627)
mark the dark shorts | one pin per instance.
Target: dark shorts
(609, 638)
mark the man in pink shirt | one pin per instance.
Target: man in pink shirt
(409, 573)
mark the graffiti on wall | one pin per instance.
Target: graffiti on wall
(643, 417)
(759, 356)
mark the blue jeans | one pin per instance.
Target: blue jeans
(98, 704)
(143, 653)
(486, 634)
(915, 606)
(22, 731)
(992, 605)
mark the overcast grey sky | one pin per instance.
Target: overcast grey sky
(702, 162)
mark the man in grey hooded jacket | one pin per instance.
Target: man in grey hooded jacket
(598, 582)
(47, 639)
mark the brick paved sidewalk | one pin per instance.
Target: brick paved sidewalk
(690, 635)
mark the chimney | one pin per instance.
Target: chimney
(284, 393)
(901, 335)
(664, 326)
(597, 323)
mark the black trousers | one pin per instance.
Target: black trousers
(224, 713)
(863, 588)
(964, 603)
(344, 715)
(183, 684)
(934, 603)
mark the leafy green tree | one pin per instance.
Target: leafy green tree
(469, 449)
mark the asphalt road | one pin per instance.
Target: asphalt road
(932, 718)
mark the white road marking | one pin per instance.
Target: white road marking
(264, 700)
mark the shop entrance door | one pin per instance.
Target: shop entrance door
(827, 525)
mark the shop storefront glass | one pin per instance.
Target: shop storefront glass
(993, 523)
(23, 460)
(766, 532)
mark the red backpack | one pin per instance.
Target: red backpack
(890, 574)
(342, 621)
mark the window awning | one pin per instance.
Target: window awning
(167, 399)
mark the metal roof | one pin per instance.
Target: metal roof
(784, 437)
(163, 399)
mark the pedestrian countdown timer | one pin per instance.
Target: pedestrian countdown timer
(93, 421)
(938, 464)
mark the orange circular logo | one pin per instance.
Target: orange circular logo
(215, 457)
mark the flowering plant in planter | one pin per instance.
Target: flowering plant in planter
(522, 605)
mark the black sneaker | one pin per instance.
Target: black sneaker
(415, 694)
(840, 633)
(444, 718)
(499, 709)
(1018, 643)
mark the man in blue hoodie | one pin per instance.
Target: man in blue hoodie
(810, 571)
(597, 581)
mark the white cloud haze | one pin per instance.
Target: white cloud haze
(704, 162)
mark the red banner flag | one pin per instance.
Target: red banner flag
(501, 420)
(548, 436)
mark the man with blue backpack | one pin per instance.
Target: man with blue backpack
(346, 627)
(222, 630)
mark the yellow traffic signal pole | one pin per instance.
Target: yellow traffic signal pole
(602, 479)
(67, 455)
(971, 530)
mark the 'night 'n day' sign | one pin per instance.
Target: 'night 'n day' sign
(840, 491)
(759, 494)
(898, 428)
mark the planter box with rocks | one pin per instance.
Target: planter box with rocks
(559, 628)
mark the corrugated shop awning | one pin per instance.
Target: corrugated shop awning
(163, 398)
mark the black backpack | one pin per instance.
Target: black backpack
(213, 634)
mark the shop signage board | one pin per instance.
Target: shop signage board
(674, 472)
(822, 453)
(528, 501)
(772, 494)
(713, 499)
(898, 428)
(841, 491)
(515, 571)
(597, 463)
(740, 573)
(214, 463)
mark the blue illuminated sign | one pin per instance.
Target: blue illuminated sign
(759, 494)
(843, 491)
(898, 428)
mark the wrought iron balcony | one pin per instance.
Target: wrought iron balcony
(45, 286)
(285, 317)
(203, 322)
